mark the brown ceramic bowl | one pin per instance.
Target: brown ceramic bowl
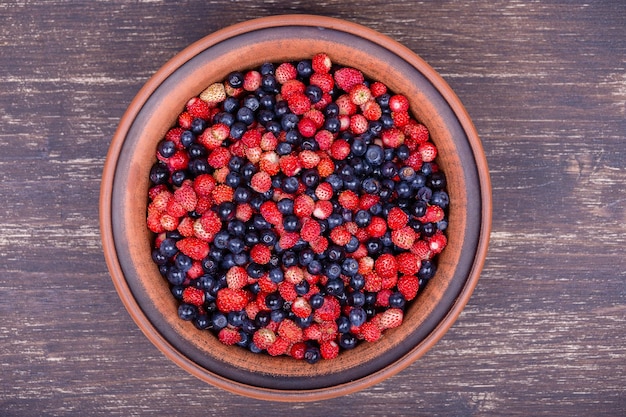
(123, 203)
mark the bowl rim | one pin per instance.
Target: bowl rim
(188, 53)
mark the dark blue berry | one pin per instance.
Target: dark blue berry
(302, 287)
(357, 316)
(218, 320)
(235, 79)
(347, 341)
(159, 173)
(183, 262)
(334, 286)
(375, 155)
(255, 270)
(314, 93)
(290, 185)
(315, 267)
(283, 148)
(350, 266)
(166, 148)
(362, 218)
(238, 129)
(177, 291)
(274, 301)
(397, 300)
(178, 177)
(168, 247)
(187, 312)
(427, 270)
(304, 68)
(285, 206)
(312, 354)
(316, 301)
(187, 138)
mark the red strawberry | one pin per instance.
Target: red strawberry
(437, 242)
(260, 254)
(264, 338)
(349, 199)
(346, 106)
(222, 193)
(340, 236)
(370, 332)
(326, 166)
(367, 201)
(408, 285)
(324, 139)
(291, 87)
(198, 108)
(366, 264)
(298, 350)
(377, 227)
(340, 149)
(261, 182)
(324, 191)
(270, 213)
(303, 205)
(382, 298)
(252, 80)
(390, 318)
(330, 310)
(193, 295)
(174, 135)
(313, 332)
(253, 154)
(229, 336)
(219, 157)
(397, 218)
(268, 141)
(428, 151)
(288, 240)
(251, 138)
(414, 161)
(398, 102)
(371, 110)
(308, 159)
(378, 88)
(193, 247)
(360, 94)
(347, 77)
(323, 209)
(358, 124)
(301, 308)
(299, 103)
(287, 290)
(230, 299)
(285, 72)
(290, 165)
(290, 331)
(185, 120)
(161, 200)
(392, 138)
(186, 228)
(319, 244)
(386, 265)
(178, 161)
(244, 212)
(311, 229)
(307, 127)
(404, 237)
(186, 197)
(204, 184)
(269, 162)
(433, 214)
(408, 263)
(329, 350)
(321, 63)
(422, 250)
(323, 81)
(417, 131)
(279, 347)
(175, 208)
(316, 116)
(400, 118)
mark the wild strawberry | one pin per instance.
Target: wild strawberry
(397, 218)
(329, 350)
(417, 131)
(231, 299)
(414, 161)
(371, 110)
(370, 332)
(289, 165)
(204, 228)
(389, 282)
(437, 242)
(263, 338)
(358, 124)
(377, 227)
(316, 116)
(204, 184)
(244, 212)
(204, 204)
(253, 154)
(268, 141)
(340, 236)
(196, 270)
(323, 209)
(198, 108)
(408, 285)
(330, 310)
(174, 135)
(321, 63)
(178, 161)
(186, 228)
(428, 151)
(303, 205)
(308, 159)
(229, 336)
(433, 214)
(349, 199)
(291, 87)
(175, 208)
(323, 102)
(252, 138)
(193, 247)
(260, 254)
(313, 332)
(269, 162)
(270, 213)
(328, 330)
(398, 103)
(366, 264)
(279, 347)
(219, 157)
(386, 265)
(326, 166)
(215, 93)
(288, 240)
(285, 72)
(299, 103)
(186, 197)
(408, 263)
(324, 191)
(378, 89)
(390, 318)
(360, 94)
(193, 295)
(346, 106)
(307, 127)
(251, 309)
(222, 193)
(392, 138)
(340, 149)
(404, 237)
(382, 297)
(236, 277)
(323, 81)
(252, 80)
(301, 308)
(298, 350)
(367, 201)
(347, 77)
(261, 182)
(400, 118)
(209, 139)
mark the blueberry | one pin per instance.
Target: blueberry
(218, 320)
(236, 227)
(424, 194)
(304, 68)
(183, 262)
(177, 291)
(352, 245)
(233, 179)
(347, 341)
(389, 169)
(238, 129)
(178, 177)
(235, 79)
(305, 257)
(427, 270)
(202, 322)
(335, 253)
(262, 318)
(285, 206)
(159, 173)
(316, 301)
(397, 300)
(315, 267)
(198, 125)
(236, 245)
(370, 185)
(168, 247)
(166, 148)
(278, 315)
(205, 282)
(274, 301)
(314, 93)
(362, 218)
(350, 267)
(311, 177)
(235, 318)
(187, 312)
(276, 275)
(283, 148)
(331, 110)
(302, 287)
(187, 138)
(303, 323)
(289, 259)
(427, 168)
(373, 246)
(357, 316)
(251, 102)
(289, 121)
(242, 195)
(403, 190)
(383, 100)
(334, 220)
(343, 324)
(290, 185)
(269, 83)
(334, 286)
(429, 229)
(268, 102)
(332, 124)
(231, 105)
(221, 239)
(312, 354)
(440, 198)
(335, 182)
(268, 237)
(255, 270)
(387, 121)
(437, 180)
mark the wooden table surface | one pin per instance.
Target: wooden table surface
(545, 330)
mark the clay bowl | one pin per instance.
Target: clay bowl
(123, 203)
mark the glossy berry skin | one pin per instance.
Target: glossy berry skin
(297, 171)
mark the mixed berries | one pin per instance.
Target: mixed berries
(297, 209)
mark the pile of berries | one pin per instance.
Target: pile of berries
(297, 209)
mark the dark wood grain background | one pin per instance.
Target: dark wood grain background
(543, 334)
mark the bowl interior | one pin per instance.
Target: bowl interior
(146, 294)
